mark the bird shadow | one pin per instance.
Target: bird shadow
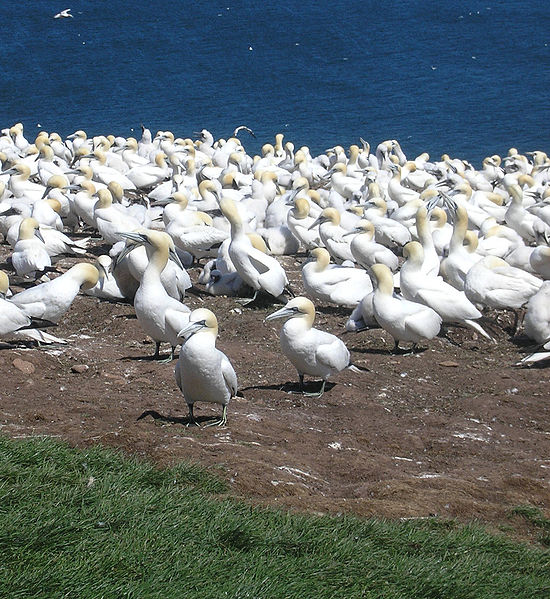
(161, 359)
(291, 387)
(184, 420)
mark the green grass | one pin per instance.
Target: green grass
(534, 516)
(93, 524)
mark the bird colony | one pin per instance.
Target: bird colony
(414, 247)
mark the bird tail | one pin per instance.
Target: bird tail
(477, 327)
(40, 336)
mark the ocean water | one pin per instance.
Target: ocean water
(468, 78)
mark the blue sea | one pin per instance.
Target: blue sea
(466, 78)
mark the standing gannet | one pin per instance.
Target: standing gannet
(203, 372)
(29, 253)
(161, 316)
(459, 260)
(258, 270)
(451, 304)
(311, 351)
(50, 300)
(404, 320)
(340, 285)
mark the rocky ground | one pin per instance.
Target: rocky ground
(455, 430)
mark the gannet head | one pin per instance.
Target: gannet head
(4, 283)
(327, 215)
(28, 228)
(116, 191)
(229, 210)
(298, 307)
(414, 252)
(365, 226)
(301, 208)
(87, 274)
(471, 241)
(321, 257)
(201, 319)
(155, 241)
(382, 278)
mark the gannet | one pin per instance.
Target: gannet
(14, 320)
(29, 253)
(311, 351)
(50, 300)
(299, 222)
(495, 284)
(203, 372)
(458, 262)
(404, 320)
(64, 14)
(258, 270)
(451, 304)
(107, 285)
(366, 251)
(362, 317)
(340, 285)
(161, 316)
(536, 323)
(333, 235)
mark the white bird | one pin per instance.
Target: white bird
(340, 285)
(14, 321)
(492, 282)
(536, 323)
(64, 14)
(366, 251)
(29, 253)
(107, 286)
(333, 235)
(311, 351)
(404, 320)
(451, 304)
(203, 372)
(51, 300)
(299, 221)
(258, 270)
(161, 316)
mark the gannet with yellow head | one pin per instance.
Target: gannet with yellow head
(311, 351)
(404, 320)
(258, 270)
(161, 316)
(203, 372)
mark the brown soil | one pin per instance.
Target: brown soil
(454, 431)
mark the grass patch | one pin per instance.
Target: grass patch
(534, 516)
(92, 524)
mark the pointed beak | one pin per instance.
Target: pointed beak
(38, 234)
(189, 330)
(315, 223)
(175, 258)
(282, 313)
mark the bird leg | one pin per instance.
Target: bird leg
(221, 422)
(248, 302)
(318, 393)
(156, 355)
(192, 421)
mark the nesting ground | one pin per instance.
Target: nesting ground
(454, 431)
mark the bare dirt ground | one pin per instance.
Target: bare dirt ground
(454, 431)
